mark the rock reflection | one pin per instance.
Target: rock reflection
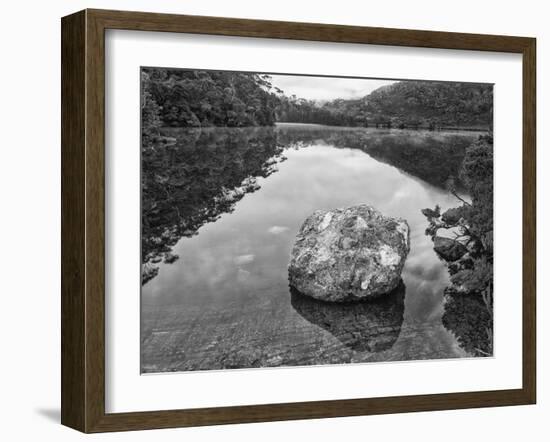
(371, 326)
(203, 173)
(468, 318)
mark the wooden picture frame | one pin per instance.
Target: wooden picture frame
(83, 220)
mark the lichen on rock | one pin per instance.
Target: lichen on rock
(348, 254)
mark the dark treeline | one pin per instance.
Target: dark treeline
(193, 181)
(431, 105)
(190, 98)
(432, 157)
(299, 110)
(184, 98)
(405, 104)
(472, 273)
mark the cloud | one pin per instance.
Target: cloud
(244, 259)
(326, 88)
(277, 230)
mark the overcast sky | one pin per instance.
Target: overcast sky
(326, 88)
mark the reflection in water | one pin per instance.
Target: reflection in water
(195, 181)
(433, 157)
(468, 318)
(371, 326)
(206, 172)
(221, 209)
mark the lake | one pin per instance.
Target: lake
(221, 208)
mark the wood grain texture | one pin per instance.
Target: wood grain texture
(95, 221)
(529, 220)
(73, 255)
(83, 220)
(145, 21)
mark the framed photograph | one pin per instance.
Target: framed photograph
(267, 220)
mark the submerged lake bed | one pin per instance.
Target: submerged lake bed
(221, 210)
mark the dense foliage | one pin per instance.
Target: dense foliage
(429, 104)
(405, 104)
(188, 98)
(191, 98)
(150, 111)
(299, 110)
(468, 318)
(477, 173)
(193, 181)
(472, 222)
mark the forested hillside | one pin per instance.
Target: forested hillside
(405, 104)
(187, 98)
(421, 103)
(300, 110)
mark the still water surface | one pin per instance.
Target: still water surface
(230, 209)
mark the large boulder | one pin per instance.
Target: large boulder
(348, 254)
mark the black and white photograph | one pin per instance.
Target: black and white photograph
(306, 220)
(258, 222)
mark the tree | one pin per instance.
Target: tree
(212, 98)
(150, 112)
(473, 222)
